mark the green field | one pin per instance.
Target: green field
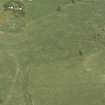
(54, 55)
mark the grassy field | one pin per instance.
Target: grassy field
(54, 55)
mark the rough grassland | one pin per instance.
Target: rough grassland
(55, 55)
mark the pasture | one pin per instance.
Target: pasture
(54, 54)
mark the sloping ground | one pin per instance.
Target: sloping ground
(55, 55)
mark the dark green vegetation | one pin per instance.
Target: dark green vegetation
(59, 8)
(73, 1)
(1, 101)
(58, 58)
